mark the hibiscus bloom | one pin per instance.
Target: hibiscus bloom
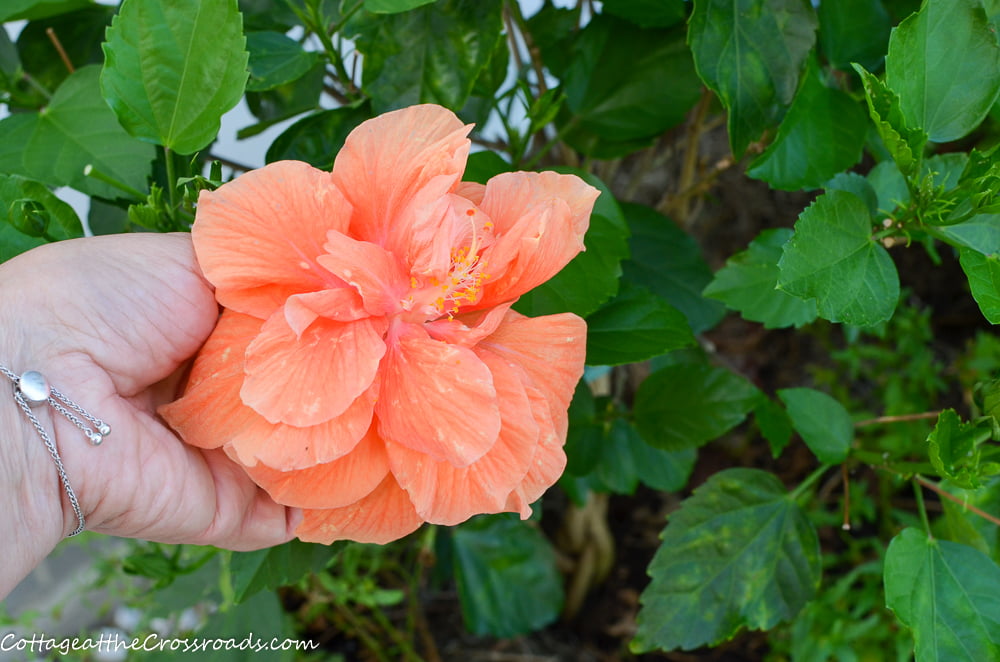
(367, 366)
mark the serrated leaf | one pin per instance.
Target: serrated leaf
(634, 326)
(890, 186)
(58, 220)
(750, 53)
(852, 182)
(983, 272)
(394, 6)
(591, 278)
(821, 421)
(276, 59)
(774, 425)
(687, 405)
(822, 134)
(946, 593)
(317, 138)
(626, 460)
(627, 83)
(173, 68)
(267, 569)
(904, 141)
(507, 578)
(738, 553)
(832, 258)
(432, 54)
(854, 31)
(667, 261)
(748, 284)
(76, 130)
(648, 13)
(953, 449)
(944, 63)
(980, 233)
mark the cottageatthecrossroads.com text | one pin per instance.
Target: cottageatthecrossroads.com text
(113, 641)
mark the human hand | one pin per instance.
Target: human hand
(111, 322)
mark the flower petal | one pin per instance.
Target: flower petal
(210, 413)
(285, 447)
(381, 517)
(331, 485)
(539, 219)
(551, 349)
(310, 379)
(342, 304)
(437, 398)
(374, 272)
(258, 236)
(395, 168)
(548, 462)
(468, 328)
(445, 494)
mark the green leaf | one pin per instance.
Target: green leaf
(276, 59)
(80, 33)
(648, 13)
(668, 262)
(585, 438)
(267, 569)
(983, 272)
(854, 31)
(634, 326)
(687, 405)
(18, 10)
(173, 68)
(285, 101)
(432, 54)
(394, 6)
(50, 219)
(747, 284)
(591, 278)
(77, 129)
(890, 187)
(946, 594)
(317, 138)
(739, 553)
(832, 258)
(821, 421)
(627, 83)
(980, 233)
(626, 460)
(904, 141)
(822, 134)
(944, 63)
(507, 578)
(953, 449)
(852, 182)
(750, 53)
(774, 424)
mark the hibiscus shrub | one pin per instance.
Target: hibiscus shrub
(723, 270)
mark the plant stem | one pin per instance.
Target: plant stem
(919, 494)
(168, 157)
(934, 487)
(902, 418)
(810, 479)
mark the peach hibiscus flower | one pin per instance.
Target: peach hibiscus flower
(367, 367)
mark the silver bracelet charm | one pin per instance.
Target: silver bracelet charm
(31, 389)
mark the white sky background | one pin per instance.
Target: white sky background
(248, 152)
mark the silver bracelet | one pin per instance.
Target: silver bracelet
(31, 389)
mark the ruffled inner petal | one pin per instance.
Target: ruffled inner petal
(381, 517)
(285, 447)
(210, 413)
(374, 272)
(342, 304)
(445, 494)
(550, 349)
(539, 220)
(308, 379)
(437, 398)
(258, 236)
(331, 485)
(395, 168)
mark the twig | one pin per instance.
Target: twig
(951, 497)
(59, 48)
(902, 418)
